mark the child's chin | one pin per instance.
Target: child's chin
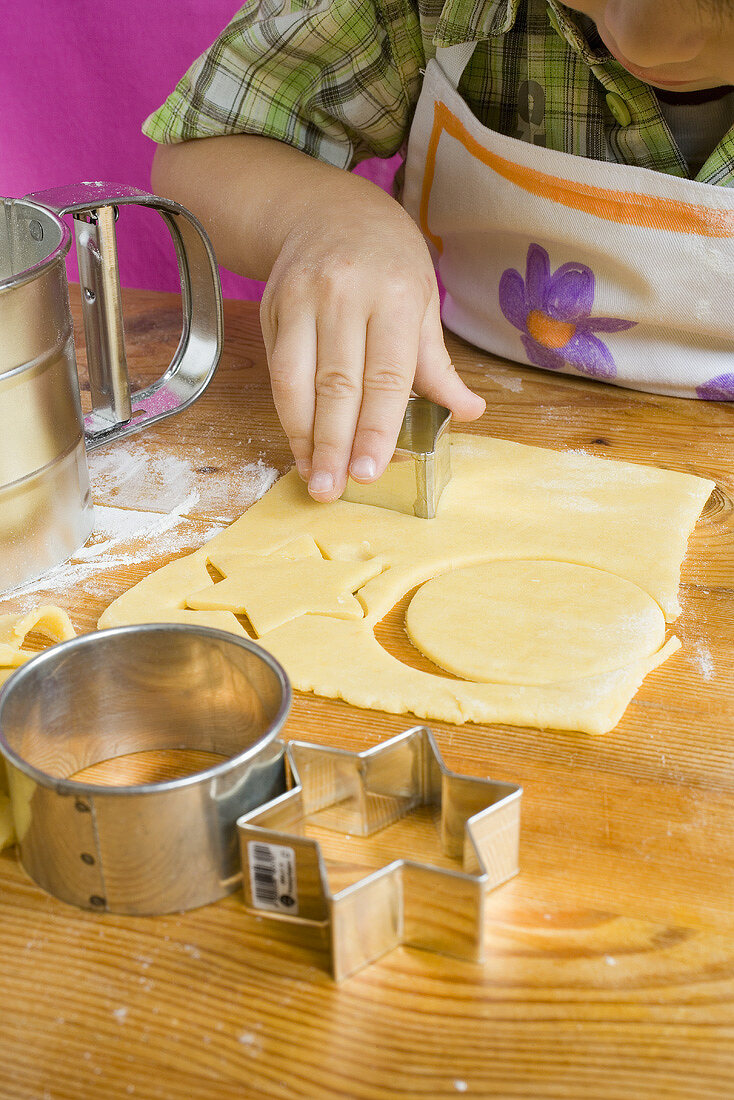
(682, 86)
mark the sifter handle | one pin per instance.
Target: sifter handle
(116, 411)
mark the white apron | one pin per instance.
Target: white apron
(604, 270)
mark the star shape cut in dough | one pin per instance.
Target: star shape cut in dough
(406, 901)
(275, 588)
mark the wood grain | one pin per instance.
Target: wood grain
(611, 964)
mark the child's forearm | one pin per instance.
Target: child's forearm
(350, 314)
(249, 191)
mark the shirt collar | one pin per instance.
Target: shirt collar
(577, 29)
(458, 22)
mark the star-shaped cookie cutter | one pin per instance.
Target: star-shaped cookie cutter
(405, 901)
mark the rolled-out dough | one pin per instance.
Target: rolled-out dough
(506, 502)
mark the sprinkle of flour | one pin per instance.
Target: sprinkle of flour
(250, 1042)
(129, 525)
(504, 379)
(130, 474)
(696, 651)
(158, 535)
(143, 504)
(704, 660)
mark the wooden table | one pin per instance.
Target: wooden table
(611, 957)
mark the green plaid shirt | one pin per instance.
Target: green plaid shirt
(340, 79)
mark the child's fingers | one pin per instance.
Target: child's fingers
(291, 351)
(338, 384)
(391, 351)
(436, 377)
(441, 383)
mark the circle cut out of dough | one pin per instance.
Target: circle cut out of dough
(533, 622)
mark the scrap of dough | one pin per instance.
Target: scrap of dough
(505, 501)
(533, 622)
(54, 624)
(273, 590)
(48, 620)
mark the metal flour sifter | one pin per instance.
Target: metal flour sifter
(45, 507)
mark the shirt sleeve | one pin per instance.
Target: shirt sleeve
(338, 79)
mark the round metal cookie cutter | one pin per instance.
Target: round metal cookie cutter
(158, 847)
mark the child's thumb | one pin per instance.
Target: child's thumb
(435, 375)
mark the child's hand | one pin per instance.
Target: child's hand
(350, 313)
(351, 323)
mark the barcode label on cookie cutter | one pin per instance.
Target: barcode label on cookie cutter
(273, 877)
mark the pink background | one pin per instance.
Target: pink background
(76, 83)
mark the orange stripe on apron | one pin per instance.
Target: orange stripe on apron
(626, 207)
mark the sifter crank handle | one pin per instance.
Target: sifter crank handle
(96, 245)
(115, 410)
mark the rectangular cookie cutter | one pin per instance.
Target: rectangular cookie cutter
(405, 901)
(420, 469)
